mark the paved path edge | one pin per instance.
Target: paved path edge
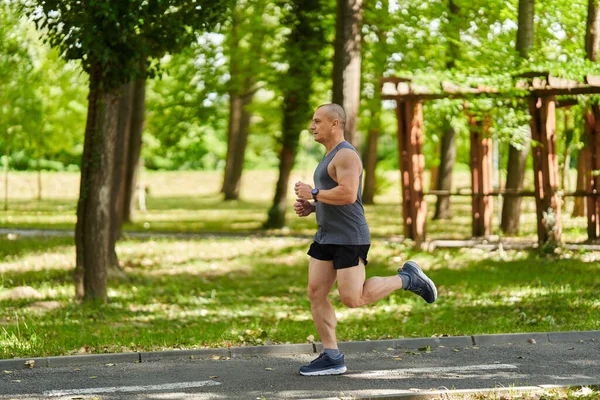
(495, 393)
(358, 346)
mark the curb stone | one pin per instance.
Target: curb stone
(447, 341)
(115, 358)
(307, 348)
(192, 353)
(482, 340)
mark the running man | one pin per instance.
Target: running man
(340, 247)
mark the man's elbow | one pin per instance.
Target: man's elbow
(350, 198)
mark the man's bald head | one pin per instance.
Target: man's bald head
(335, 111)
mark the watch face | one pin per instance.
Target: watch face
(315, 191)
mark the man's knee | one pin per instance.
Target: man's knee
(350, 300)
(316, 293)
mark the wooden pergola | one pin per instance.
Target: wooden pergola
(541, 90)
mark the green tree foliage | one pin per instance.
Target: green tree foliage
(61, 88)
(132, 32)
(114, 42)
(187, 110)
(188, 106)
(416, 45)
(303, 56)
(20, 107)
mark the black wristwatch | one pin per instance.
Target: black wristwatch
(315, 192)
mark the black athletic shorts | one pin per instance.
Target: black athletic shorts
(343, 256)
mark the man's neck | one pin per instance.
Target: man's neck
(332, 145)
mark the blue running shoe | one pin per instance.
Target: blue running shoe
(418, 282)
(324, 365)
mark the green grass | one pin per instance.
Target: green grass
(249, 289)
(190, 202)
(217, 292)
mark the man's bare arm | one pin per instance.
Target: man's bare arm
(347, 167)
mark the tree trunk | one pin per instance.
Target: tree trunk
(293, 119)
(448, 144)
(371, 159)
(138, 109)
(240, 148)
(378, 62)
(235, 114)
(525, 29)
(302, 53)
(370, 153)
(444, 176)
(452, 33)
(583, 156)
(515, 172)
(433, 177)
(347, 64)
(276, 216)
(141, 189)
(591, 32)
(515, 175)
(94, 208)
(120, 173)
(237, 140)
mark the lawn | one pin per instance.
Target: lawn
(248, 287)
(190, 202)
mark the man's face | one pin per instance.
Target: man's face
(321, 126)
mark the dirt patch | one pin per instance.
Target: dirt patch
(21, 292)
(45, 305)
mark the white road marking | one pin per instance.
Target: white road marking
(124, 389)
(433, 370)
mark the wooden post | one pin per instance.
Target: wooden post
(412, 162)
(545, 165)
(592, 131)
(481, 177)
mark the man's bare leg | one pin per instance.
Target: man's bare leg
(321, 278)
(356, 292)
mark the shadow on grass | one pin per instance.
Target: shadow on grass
(42, 206)
(23, 246)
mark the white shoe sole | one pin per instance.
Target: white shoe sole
(333, 371)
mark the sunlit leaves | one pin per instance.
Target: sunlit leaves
(121, 36)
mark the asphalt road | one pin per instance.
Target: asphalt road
(374, 371)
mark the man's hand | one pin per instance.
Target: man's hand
(303, 207)
(303, 191)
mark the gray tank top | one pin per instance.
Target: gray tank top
(345, 224)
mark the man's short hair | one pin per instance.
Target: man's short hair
(335, 111)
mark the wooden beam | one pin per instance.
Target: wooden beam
(592, 132)
(566, 103)
(412, 163)
(481, 177)
(546, 92)
(545, 164)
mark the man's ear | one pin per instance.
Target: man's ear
(336, 122)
